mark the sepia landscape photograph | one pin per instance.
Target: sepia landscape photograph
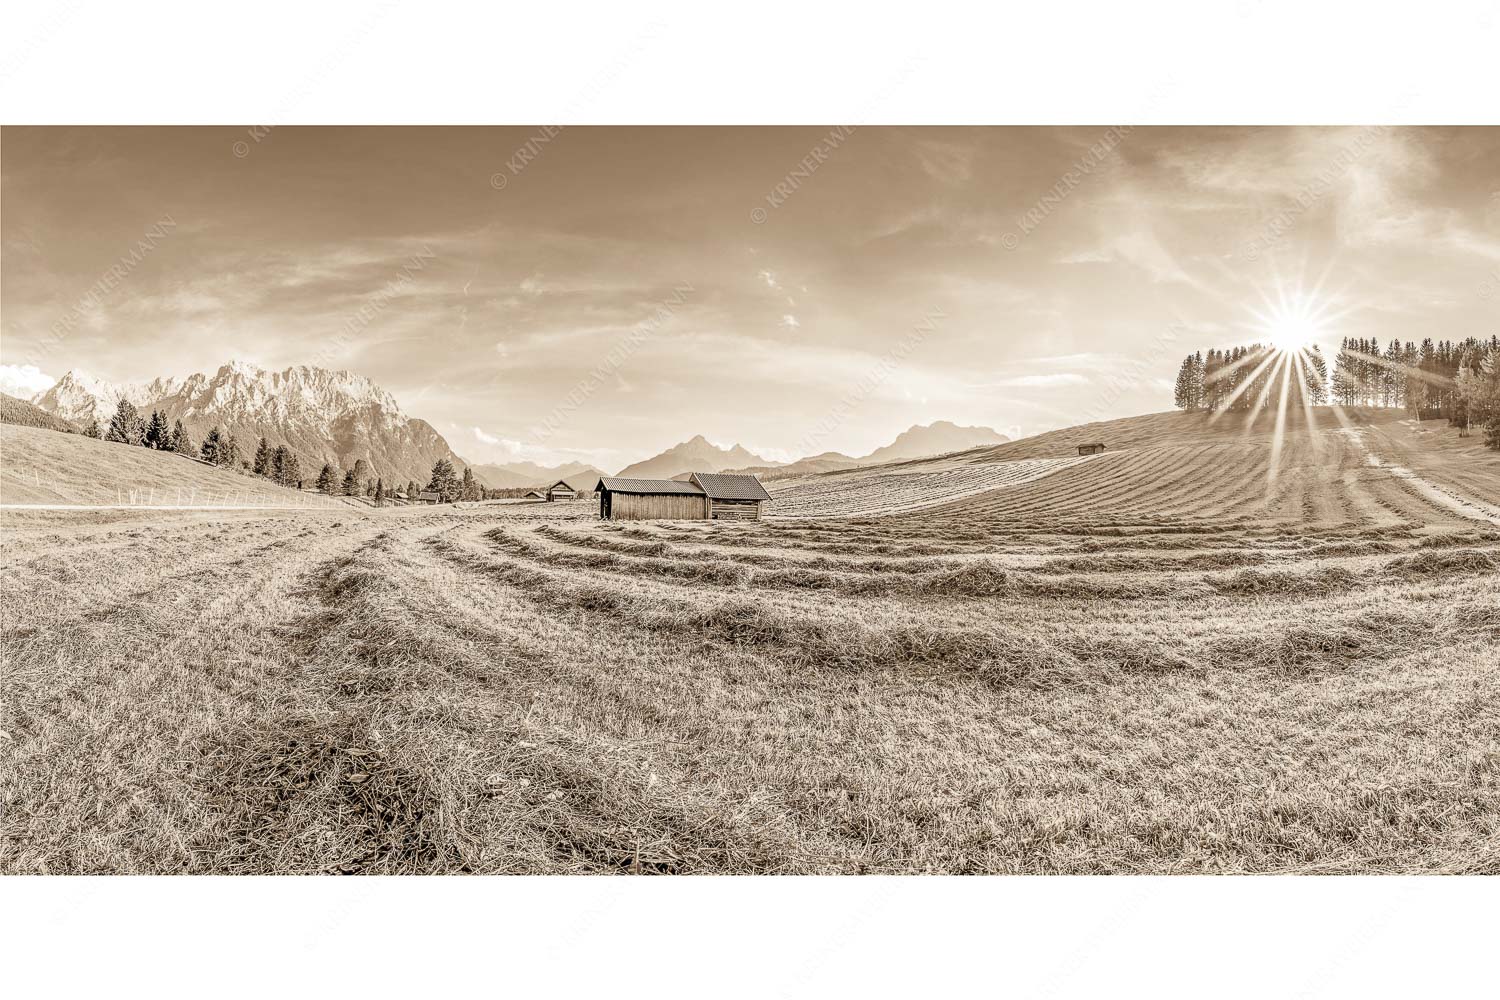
(750, 500)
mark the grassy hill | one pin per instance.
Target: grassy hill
(1344, 466)
(23, 414)
(1163, 659)
(45, 467)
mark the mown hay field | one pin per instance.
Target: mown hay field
(1158, 660)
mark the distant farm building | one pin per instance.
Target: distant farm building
(534, 495)
(705, 496)
(1090, 449)
(428, 496)
(561, 490)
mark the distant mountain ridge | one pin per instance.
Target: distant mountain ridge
(511, 475)
(920, 441)
(321, 415)
(937, 438)
(697, 454)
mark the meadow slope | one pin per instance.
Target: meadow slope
(45, 467)
(1162, 659)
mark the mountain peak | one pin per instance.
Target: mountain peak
(322, 415)
(238, 367)
(937, 438)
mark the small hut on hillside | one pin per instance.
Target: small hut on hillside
(705, 496)
(428, 496)
(1091, 449)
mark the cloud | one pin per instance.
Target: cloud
(480, 435)
(789, 321)
(1099, 256)
(1036, 381)
(24, 381)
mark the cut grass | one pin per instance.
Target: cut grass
(1205, 678)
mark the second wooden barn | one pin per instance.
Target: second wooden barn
(702, 497)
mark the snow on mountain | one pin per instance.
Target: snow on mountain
(322, 415)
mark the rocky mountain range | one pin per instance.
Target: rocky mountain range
(321, 415)
(340, 417)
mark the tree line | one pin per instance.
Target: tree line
(1454, 380)
(279, 464)
(1243, 379)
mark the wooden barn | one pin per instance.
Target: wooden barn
(561, 490)
(1090, 449)
(428, 496)
(535, 495)
(705, 496)
(731, 497)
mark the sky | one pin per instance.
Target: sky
(561, 294)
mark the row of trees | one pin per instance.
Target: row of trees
(1419, 378)
(450, 487)
(1454, 380)
(1249, 378)
(127, 426)
(279, 464)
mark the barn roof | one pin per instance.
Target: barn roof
(730, 486)
(564, 484)
(429, 495)
(669, 486)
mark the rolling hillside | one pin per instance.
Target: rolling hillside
(1010, 660)
(1349, 468)
(44, 467)
(24, 414)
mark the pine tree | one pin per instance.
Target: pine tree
(179, 442)
(262, 466)
(1315, 375)
(1478, 384)
(125, 427)
(212, 447)
(276, 463)
(229, 452)
(362, 477)
(380, 492)
(1188, 392)
(411, 489)
(351, 485)
(326, 480)
(155, 436)
(468, 488)
(443, 482)
(92, 429)
(293, 471)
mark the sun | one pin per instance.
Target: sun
(1294, 325)
(1293, 333)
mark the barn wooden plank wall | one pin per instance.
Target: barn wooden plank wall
(670, 507)
(736, 510)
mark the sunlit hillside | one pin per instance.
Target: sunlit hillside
(47, 467)
(1329, 468)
